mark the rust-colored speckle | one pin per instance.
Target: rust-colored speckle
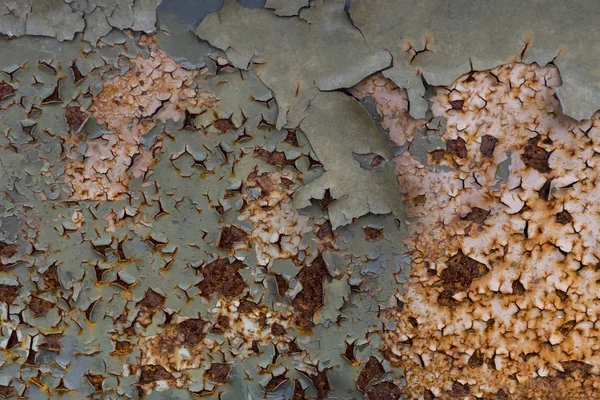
(282, 284)
(321, 384)
(275, 382)
(327, 199)
(299, 392)
(13, 340)
(461, 271)
(567, 327)
(518, 288)
(476, 359)
(376, 161)
(349, 353)
(325, 231)
(437, 155)
(246, 306)
(122, 348)
(77, 75)
(54, 97)
(6, 391)
(460, 389)
(51, 342)
(291, 138)
(222, 324)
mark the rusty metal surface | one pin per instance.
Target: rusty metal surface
(237, 201)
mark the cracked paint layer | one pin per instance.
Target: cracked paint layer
(500, 298)
(292, 200)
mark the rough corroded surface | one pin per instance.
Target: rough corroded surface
(267, 220)
(501, 296)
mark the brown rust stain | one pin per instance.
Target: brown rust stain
(153, 373)
(39, 306)
(384, 391)
(224, 125)
(5, 90)
(310, 298)
(372, 370)
(7, 391)
(222, 277)
(192, 330)
(321, 384)
(229, 236)
(8, 293)
(477, 215)
(51, 279)
(488, 145)
(457, 146)
(276, 158)
(152, 300)
(299, 392)
(218, 373)
(371, 233)
(536, 157)
(122, 348)
(95, 380)
(8, 250)
(275, 382)
(52, 342)
(76, 118)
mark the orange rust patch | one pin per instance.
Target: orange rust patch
(502, 291)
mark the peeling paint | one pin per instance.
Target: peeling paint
(297, 200)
